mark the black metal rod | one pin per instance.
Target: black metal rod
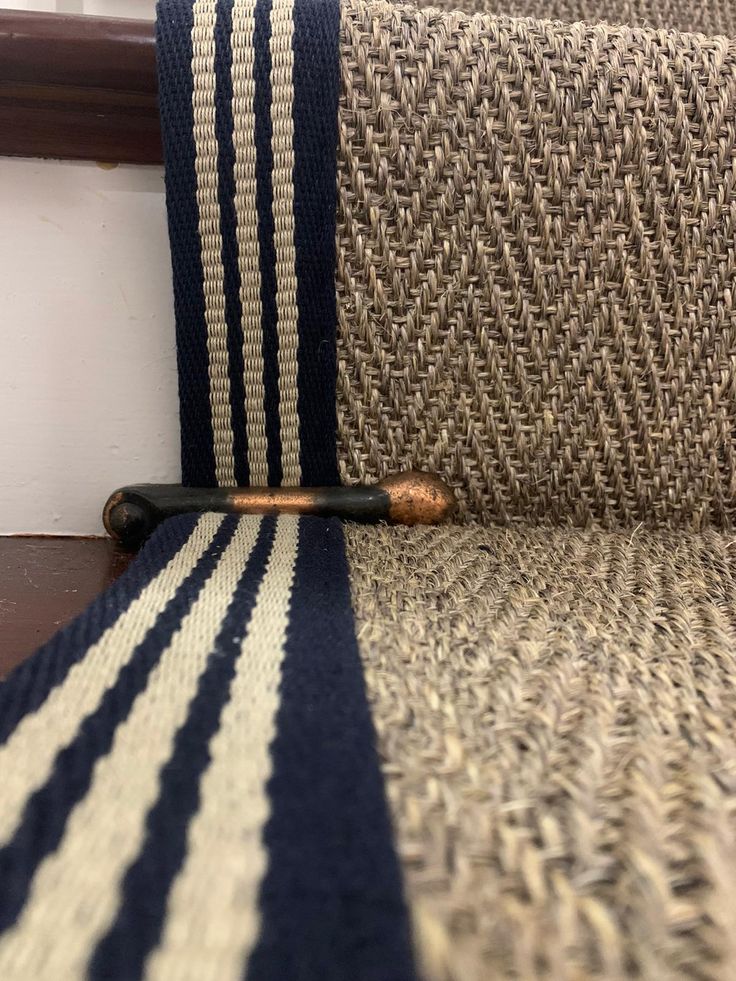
(414, 497)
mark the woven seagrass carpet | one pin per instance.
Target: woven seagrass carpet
(502, 250)
(556, 714)
(706, 17)
(536, 226)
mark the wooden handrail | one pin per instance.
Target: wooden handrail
(80, 88)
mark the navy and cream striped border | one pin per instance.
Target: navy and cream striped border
(248, 92)
(190, 784)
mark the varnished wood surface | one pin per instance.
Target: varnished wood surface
(78, 87)
(44, 583)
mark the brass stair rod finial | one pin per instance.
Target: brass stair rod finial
(410, 498)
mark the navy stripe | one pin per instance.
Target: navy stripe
(137, 928)
(316, 88)
(264, 206)
(331, 901)
(32, 682)
(174, 54)
(48, 809)
(228, 230)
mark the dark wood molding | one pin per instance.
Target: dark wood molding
(44, 583)
(80, 88)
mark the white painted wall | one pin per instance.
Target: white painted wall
(88, 387)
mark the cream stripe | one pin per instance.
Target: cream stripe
(205, 165)
(75, 893)
(40, 736)
(282, 89)
(213, 919)
(244, 128)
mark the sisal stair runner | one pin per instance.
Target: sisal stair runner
(500, 249)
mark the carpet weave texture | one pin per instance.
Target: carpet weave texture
(556, 713)
(704, 17)
(536, 266)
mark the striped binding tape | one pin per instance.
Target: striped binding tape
(248, 93)
(190, 784)
(190, 787)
